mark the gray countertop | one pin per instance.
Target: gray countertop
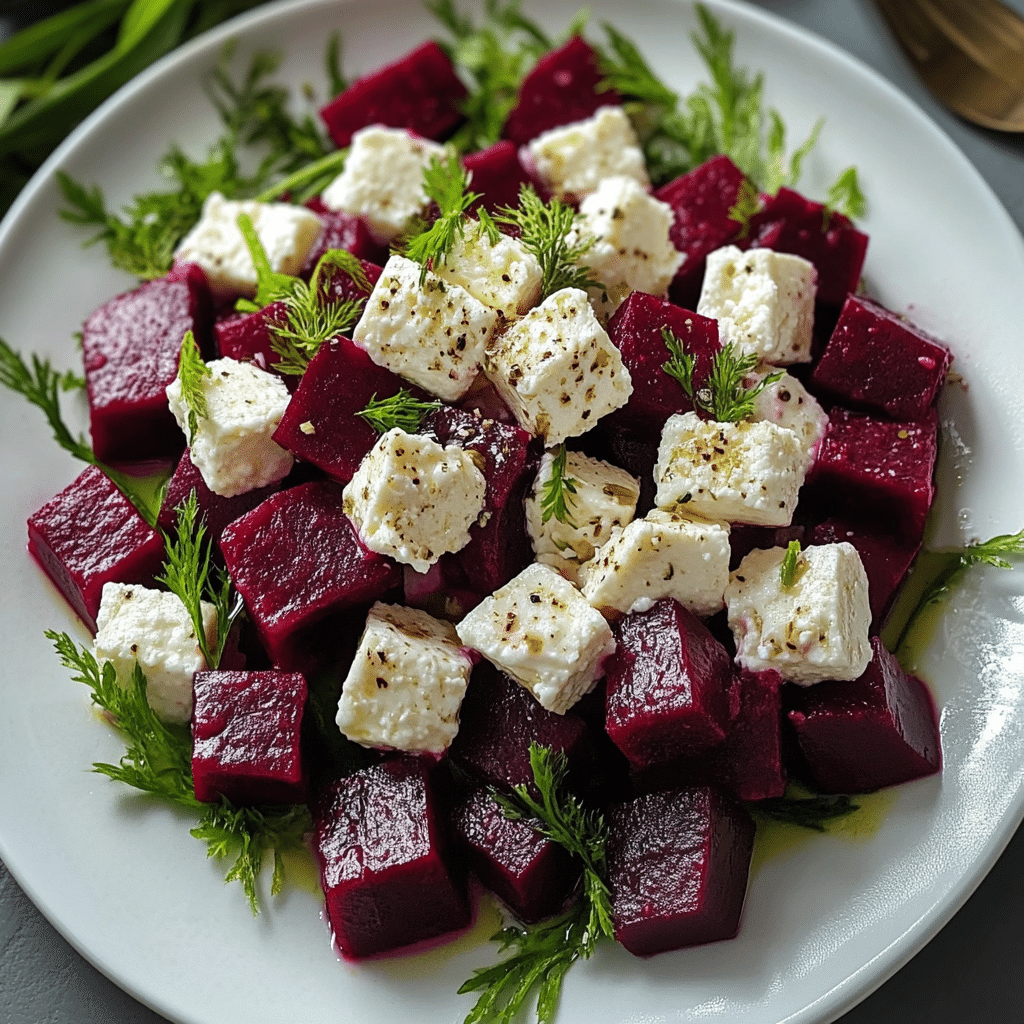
(969, 974)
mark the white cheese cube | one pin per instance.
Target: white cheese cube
(434, 335)
(763, 302)
(788, 403)
(816, 629)
(742, 472)
(382, 181)
(233, 447)
(286, 232)
(406, 683)
(557, 369)
(603, 497)
(540, 631)
(152, 628)
(661, 555)
(573, 159)
(414, 500)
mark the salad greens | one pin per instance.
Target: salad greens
(556, 499)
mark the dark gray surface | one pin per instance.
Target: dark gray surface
(969, 974)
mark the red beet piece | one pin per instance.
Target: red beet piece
(876, 361)
(677, 868)
(131, 346)
(751, 759)
(91, 534)
(382, 849)
(341, 231)
(701, 200)
(246, 729)
(561, 89)
(246, 336)
(420, 92)
(876, 731)
(296, 559)
(497, 175)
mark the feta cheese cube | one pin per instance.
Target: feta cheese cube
(540, 631)
(382, 181)
(603, 497)
(661, 555)
(406, 683)
(573, 159)
(742, 472)
(233, 447)
(763, 302)
(286, 232)
(414, 500)
(434, 335)
(816, 629)
(788, 403)
(557, 369)
(152, 628)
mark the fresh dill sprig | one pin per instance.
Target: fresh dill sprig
(402, 410)
(782, 170)
(680, 364)
(807, 812)
(556, 496)
(748, 203)
(794, 565)
(845, 197)
(191, 373)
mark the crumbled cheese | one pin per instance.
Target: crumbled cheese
(406, 683)
(233, 447)
(788, 403)
(816, 629)
(540, 631)
(414, 500)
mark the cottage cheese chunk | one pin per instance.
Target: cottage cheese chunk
(604, 497)
(233, 447)
(815, 630)
(152, 628)
(406, 683)
(742, 472)
(788, 403)
(382, 181)
(286, 232)
(661, 555)
(573, 159)
(557, 369)
(434, 335)
(540, 631)
(763, 302)
(414, 500)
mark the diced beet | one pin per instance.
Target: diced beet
(296, 559)
(744, 538)
(701, 200)
(666, 682)
(497, 175)
(246, 737)
(751, 758)
(91, 534)
(790, 223)
(561, 89)
(341, 231)
(340, 286)
(678, 862)
(382, 850)
(876, 361)
(131, 346)
(531, 875)
(420, 92)
(876, 731)
(246, 336)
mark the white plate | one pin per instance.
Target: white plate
(826, 921)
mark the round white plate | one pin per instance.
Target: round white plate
(827, 920)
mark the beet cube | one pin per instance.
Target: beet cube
(678, 862)
(666, 686)
(420, 92)
(497, 175)
(131, 346)
(246, 730)
(875, 360)
(382, 849)
(91, 534)
(342, 231)
(751, 759)
(246, 337)
(875, 731)
(296, 559)
(561, 89)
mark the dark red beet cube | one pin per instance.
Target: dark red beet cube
(131, 346)
(420, 92)
(246, 729)
(876, 731)
(296, 559)
(876, 361)
(246, 337)
(497, 175)
(342, 231)
(678, 862)
(667, 685)
(91, 534)
(752, 756)
(561, 89)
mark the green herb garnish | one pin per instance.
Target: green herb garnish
(748, 203)
(556, 496)
(807, 812)
(402, 410)
(191, 373)
(845, 197)
(794, 565)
